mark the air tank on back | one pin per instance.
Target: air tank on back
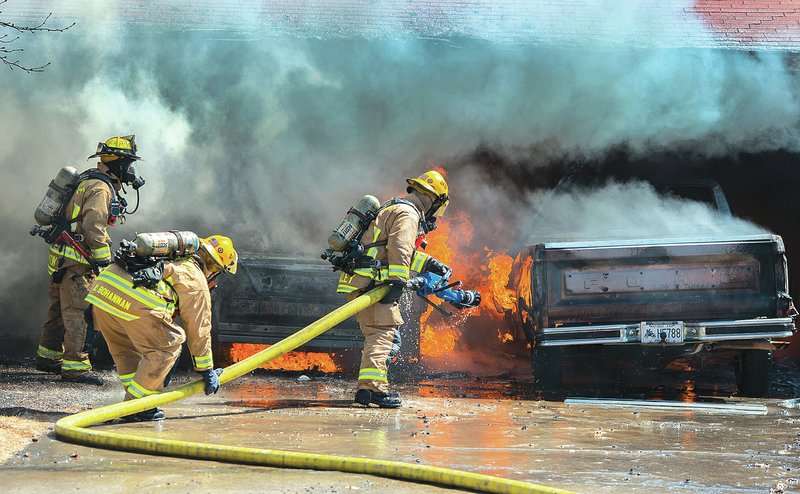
(166, 244)
(357, 219)
(58, 193)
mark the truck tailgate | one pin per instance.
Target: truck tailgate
(272, 297)
(664, 279)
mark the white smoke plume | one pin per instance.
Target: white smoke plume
(630, 210)
(267, 120)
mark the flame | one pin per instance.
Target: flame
(450, 343)
(504, 337)
(480, 269)
(292, 361)
(499, 273)
(438, 339)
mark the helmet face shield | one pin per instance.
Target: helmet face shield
(440, 211)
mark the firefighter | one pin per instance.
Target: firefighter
(93, 207)
(392, 239)
(137, 323)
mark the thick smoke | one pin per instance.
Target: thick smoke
(267, 128)
(631, 210)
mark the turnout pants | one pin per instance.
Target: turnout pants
(379, 323)
(64, 332)
(144, 350)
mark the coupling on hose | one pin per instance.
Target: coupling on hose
(434, 284)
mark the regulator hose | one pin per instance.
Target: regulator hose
(72, 428)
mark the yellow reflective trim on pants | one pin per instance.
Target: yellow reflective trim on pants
(142, 295)
(137, 391)
(45, 352)
(126, 379)
(372, 374)
(102, 305)
(76, 365)
(203, 362)
(103, 252)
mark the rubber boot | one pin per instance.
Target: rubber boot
(152, 415)
(47, 365)
(88, 378)
(365, 397)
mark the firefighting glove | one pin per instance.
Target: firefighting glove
(395, 292)
(439, 268)
(397, 341)
(211, 380)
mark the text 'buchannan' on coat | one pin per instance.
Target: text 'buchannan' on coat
(183, 288)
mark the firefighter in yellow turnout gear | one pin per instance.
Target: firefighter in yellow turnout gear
(137, 323)
(392, 240)
(93, 207)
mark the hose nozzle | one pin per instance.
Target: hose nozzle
(468, 299)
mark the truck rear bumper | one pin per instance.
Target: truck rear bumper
(694, 332)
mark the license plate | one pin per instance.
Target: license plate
(661, 332)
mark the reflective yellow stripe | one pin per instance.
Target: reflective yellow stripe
(166, 292)
(61, 250)
(76, 210)
(345, 289)
(126, 379)
(371, 374)
(203, 362)
(45, 352)
(399, 271)
(76, 365)
(103, 252)
(373, 251)
(143, 295)
(137, 391)
(418, 261)
(374, 274)
(52, 262)
(101, 304)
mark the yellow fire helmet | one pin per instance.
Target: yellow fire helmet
(221, 250)
(116, 147)
(432, 183)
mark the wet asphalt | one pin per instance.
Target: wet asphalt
(707, 440)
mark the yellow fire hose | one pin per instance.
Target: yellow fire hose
(72, 429)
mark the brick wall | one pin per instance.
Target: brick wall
(755, 23)
(736, 24)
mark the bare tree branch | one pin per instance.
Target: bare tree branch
(5, 39)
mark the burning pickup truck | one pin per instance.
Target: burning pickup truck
(647, 299)
(655, 300)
